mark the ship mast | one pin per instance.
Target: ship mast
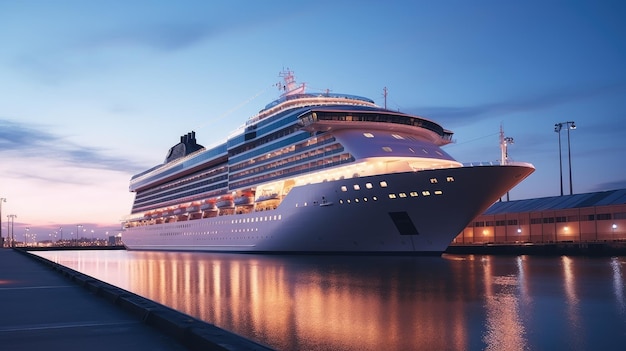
(504, 142)
(288, 85)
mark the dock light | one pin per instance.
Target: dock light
(519, 230)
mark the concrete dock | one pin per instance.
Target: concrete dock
(46, 306)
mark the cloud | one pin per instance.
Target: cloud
(33, 141)
(470, 114)
(161, 37)
(617, 184)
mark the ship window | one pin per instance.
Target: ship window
(426, 193)
(433, 180)
(368, 185)
(340, 201)
(424, 151)
(357, 187)
(397, 136)
(411, 149)
(383, 184)
(356, 200)
(365, 199)
(392, 196)
(413, 193)
(438, 192)
(348, 201)
(387, 149)
(374, 198)
(368, 135)
(402, 194)
(344, 188)
(450, 179)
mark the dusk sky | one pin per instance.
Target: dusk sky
(92, 92)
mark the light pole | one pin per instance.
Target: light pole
(2, 199)
(557, 128)
(11, 219)
(77, 228)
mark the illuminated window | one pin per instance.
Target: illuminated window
(387, 149)
(450, 179)
(411, 149)
(365, 199)
(348, 201)
(413, 193)
(368, 135)
(368, 185)
(383, 184)
(392, 196)
(340, 201)
(357, 187)
(397, 136)
(426, 193)
(356, 200)
(402, 194)
(344, 188)
(433, 180)
(374, 198)
(438, 192)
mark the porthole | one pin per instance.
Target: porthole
(368, 185)
(402, 194)
(392, 196)
(383, 184)
(357, 187)
(368, 135)
(344, 188)
(426, 193)
(438, 192)
(413, 193)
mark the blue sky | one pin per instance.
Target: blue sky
(95, 91)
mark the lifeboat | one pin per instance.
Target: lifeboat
(195, 207)
(267, 197)
(246, 198)
(208, 205)
(225, 201)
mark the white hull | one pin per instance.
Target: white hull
(325, 217)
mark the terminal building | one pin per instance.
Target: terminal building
(597, 217)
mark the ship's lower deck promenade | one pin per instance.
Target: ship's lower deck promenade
(45, 306)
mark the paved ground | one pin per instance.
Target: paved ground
(42, 308)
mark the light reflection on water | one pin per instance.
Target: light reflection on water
(454, 302)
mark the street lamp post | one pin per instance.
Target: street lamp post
(557, 128)
(2, 199)
(78, 226)
(11, 219)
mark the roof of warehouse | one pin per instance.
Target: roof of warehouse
(601, 198)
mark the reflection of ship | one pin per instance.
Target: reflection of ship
(315, 173)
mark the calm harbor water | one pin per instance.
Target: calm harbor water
(452, 302)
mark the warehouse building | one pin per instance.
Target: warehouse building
(581, 218)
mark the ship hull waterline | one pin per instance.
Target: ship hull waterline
(413, 213)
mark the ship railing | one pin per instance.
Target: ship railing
(495, 163)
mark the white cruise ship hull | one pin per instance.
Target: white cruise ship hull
(407, 213)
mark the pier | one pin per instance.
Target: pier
(49, 306)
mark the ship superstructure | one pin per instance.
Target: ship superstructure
(315, 173)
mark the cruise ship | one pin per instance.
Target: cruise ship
(315, 173)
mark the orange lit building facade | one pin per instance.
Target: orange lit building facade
(591, 217)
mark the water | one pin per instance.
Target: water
(453, 302)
